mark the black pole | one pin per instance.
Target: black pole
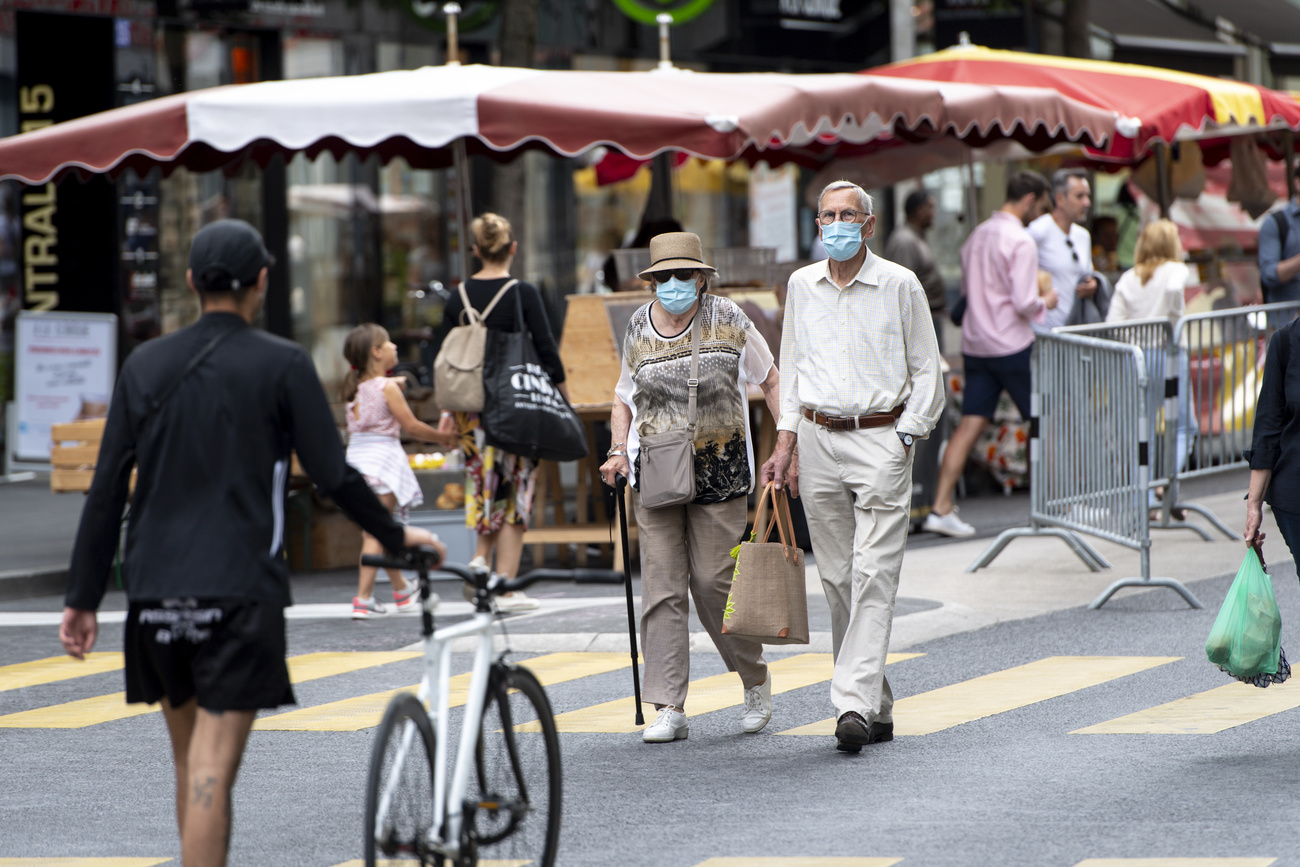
(620, 485)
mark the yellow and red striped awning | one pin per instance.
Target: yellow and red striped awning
(1152, 104)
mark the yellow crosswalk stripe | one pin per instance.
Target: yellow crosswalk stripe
(54, 669)
(108, 708)
(704, 696)
(1205, 713)
(1176, 862)
(1001, 691)
(365, 711)
(797, 861)
(482, 862)
(83, 862)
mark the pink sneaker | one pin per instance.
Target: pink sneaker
(362, 610)
(407, 601)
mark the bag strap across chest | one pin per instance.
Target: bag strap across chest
(693, 384)
(471, 316)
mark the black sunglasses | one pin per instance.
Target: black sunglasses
(1073, 254)
(680, 274)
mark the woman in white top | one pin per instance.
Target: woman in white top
(1153, 289)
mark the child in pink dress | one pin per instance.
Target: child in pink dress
(377, 413)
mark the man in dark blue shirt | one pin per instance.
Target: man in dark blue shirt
(208, 415)
(1279, 253)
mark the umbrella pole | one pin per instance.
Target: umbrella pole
(620, 491)
(1162, 179)
(464, 207)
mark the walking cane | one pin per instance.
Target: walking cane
(619, 486)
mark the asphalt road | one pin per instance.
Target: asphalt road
(1016, 787)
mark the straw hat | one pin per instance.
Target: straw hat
(673, 250)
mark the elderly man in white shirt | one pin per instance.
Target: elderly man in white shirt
(860, 383)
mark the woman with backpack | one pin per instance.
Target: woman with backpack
(499, 485)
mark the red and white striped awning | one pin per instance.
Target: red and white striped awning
(497, 110)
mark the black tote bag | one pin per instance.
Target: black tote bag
(524, 413)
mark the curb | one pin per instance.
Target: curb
(26, 584)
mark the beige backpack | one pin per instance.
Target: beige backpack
(458, 369)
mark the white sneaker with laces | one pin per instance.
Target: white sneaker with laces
(947, 525)
(669, 726)
(758, 706)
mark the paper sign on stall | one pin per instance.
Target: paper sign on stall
(65, 367)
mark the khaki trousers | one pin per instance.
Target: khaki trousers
(856, 488)
(689, 548)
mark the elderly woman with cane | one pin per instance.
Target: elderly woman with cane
(688, 357)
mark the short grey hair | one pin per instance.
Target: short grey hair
(864, 200)
(1061, 181)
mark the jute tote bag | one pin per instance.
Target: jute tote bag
(768, 601)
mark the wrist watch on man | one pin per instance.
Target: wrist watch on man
(907, 438)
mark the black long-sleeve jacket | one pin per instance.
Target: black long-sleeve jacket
(207, 516)
(1276, 440)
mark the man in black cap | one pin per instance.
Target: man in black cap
(208, 416)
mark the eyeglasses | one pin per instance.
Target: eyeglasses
(847, 216)
(1073, 255)
(680, 274)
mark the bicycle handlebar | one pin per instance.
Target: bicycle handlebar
(414, 558)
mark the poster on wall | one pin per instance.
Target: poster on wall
(65, 364)
(773, 211)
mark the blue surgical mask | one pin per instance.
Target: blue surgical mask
(677, 296)
(842, 240)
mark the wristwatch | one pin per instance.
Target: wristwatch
(907, 438)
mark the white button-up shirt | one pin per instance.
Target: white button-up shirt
(861, 349)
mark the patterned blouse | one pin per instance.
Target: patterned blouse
(653, 384)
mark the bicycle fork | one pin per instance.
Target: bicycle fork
(449, 799)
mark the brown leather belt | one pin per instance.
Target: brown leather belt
(833, 422)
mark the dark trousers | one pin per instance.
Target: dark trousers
(1289, 524)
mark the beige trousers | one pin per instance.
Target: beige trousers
(856, 488)
(688, 548)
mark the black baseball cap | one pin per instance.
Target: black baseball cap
(227, 255)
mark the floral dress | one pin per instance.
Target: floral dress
(498, 485)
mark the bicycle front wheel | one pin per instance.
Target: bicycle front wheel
(517, 806)
(399, 786)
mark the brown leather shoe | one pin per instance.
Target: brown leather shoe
(852, 732)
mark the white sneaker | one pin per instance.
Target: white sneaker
(758, 706)
(517, 601)
(669, 726)
(947, 525)
(467, 590)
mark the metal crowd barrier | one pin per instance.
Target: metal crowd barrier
(1089, 453)
(1211, 364)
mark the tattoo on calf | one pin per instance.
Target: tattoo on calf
(203, 792)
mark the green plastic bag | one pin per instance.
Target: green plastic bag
(1245, 640)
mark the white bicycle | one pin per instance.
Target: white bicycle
(504, 789)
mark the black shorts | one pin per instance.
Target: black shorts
(228, 653)
(987, 378)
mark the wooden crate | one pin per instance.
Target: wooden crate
(76, 449)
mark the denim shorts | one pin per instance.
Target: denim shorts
(986, 378)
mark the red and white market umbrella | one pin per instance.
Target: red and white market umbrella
(420, 114)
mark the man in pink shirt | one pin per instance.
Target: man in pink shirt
(1000, 280)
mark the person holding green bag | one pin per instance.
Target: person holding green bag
(1250, 649)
